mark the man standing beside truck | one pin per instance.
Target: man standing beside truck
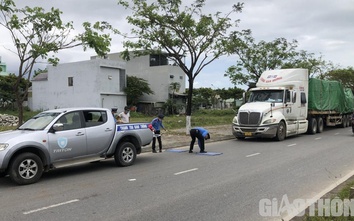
(157, 125)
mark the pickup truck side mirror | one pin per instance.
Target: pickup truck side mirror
(58, 127)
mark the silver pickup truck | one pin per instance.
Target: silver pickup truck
(64, 137)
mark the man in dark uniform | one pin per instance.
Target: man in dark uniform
(202, 135)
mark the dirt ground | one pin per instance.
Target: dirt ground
(178, 137)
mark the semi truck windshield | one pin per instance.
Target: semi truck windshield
(276, 96)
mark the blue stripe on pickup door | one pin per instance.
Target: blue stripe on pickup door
(132, 127)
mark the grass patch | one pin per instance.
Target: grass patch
(200, 118)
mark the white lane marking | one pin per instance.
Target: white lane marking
(51, 206)
(186, 171)
(318, 138)
(336, 133)
(252, 155)
(132, 180)
(291, 145)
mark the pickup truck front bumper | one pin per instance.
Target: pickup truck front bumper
(266, 131)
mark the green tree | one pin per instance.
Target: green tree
(36, 34)
(255, 58)
(7, 97)
(191, 39)
(174, 87)
(316, 66)
(203, 97)
(345, 76)
(171, 107)
(230, 93)
(136, 87)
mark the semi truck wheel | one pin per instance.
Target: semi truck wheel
(319, 125)
(312, 128)
(125, 154)
(2, 174)
(348, 121)
(281, 132)
(26, 168)
(344, 121)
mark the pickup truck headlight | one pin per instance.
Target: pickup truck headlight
(3, 146)
(269, 121)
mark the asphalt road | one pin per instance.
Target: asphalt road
(182, 186)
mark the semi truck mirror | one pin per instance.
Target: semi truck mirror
(243, 98)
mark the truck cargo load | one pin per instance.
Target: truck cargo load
(325, 95)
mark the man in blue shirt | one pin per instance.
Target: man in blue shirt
(157, 125)
(202, 135)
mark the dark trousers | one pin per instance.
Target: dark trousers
(157, 136)
(196, 134)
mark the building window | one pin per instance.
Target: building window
(122, 80)
(158, 60)
(70, 81)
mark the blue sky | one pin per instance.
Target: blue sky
(323, 27)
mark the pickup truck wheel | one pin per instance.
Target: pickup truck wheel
(125, 155)
(26, 168)
(281, 132)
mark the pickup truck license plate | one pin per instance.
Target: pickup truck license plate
(248, 134)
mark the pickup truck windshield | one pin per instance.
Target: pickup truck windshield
(39, 122)
(275, 96)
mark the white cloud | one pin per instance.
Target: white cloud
(320, 26)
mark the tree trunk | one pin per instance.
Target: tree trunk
(20, 113)
(173, 94)
(19, 106)
(189, 106)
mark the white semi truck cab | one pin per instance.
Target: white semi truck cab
(276, 108)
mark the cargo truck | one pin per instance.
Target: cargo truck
(287, 102)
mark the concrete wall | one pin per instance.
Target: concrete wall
(158, 77)
(93, 82)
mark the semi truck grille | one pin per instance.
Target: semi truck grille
(249, 118)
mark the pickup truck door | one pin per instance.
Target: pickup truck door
(70, 142)
(99, 130)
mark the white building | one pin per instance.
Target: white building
(159, 72)
(3, 71)
(93, 83)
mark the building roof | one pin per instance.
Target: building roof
(41, 77)
(176, 94)
(4, 73)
